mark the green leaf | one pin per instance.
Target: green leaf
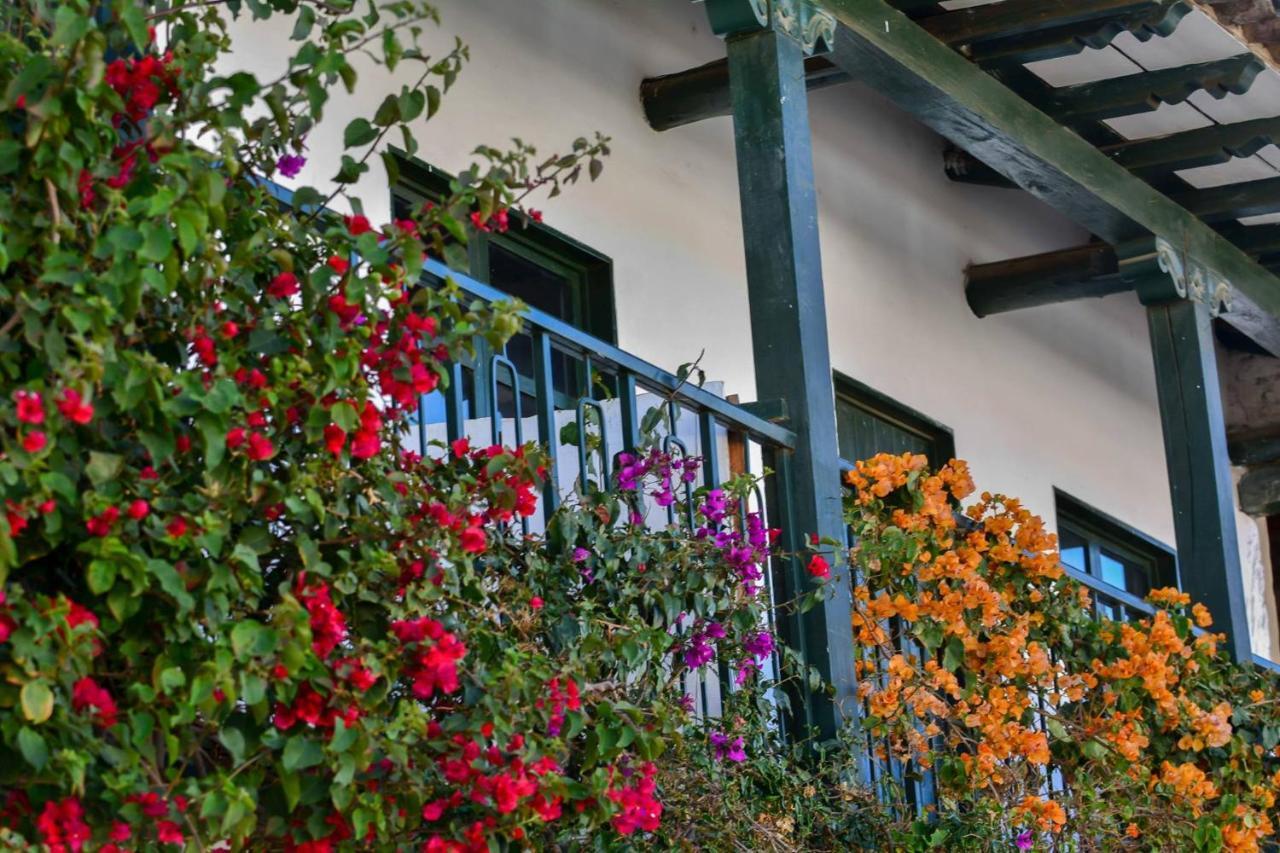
(37, 701)
(33, 747)
(103, 467)
(233, 740)
(301, 752)
(250, 639)
(157, 242)
(953, 657)
(359, 132)
(101, 576)
(136, 23)
(172, 583)
(70, 25)
(172, 678)
(9, 161)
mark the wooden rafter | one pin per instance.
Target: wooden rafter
(1233, 201)
(880, 46)
(1147, 90)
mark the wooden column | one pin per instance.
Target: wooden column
(789, 328)
(1195, 442)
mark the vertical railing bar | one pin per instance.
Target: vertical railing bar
(422, 425)
(630, 417)
(710, 449)
(496, 431)
(583, 404)
(454, 402)
(544, 387)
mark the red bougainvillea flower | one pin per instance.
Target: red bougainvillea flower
(167, 832)
(639, 808)
(177, 527)
(138, 509)
(34, 441)
(87, 694)
(536, 602)
(283, 286)
(334, 439)
(73, 407)
(473, 540)
(434, 658)
(260, 447)
(100, 524)
(328, 625)
(819, 567)
(338, 264)
(235, 438)
(61, 825)
(357, 225)
(30, 406)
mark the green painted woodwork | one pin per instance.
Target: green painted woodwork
(803, 20)
(1021, 17)
(1254, 449)
(1058, 41)
(880, 46)
(1254, 239)
(1147, 90)
(789, 338)
(1260, 490)
(1195, 442)
(1205, 146)
(685, 97)
(1233, 201)
(868, 422)
(1082, 272)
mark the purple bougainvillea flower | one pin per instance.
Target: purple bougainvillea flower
(291, 164)
(1024, 841)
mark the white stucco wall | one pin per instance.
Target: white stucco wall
(1051, 397)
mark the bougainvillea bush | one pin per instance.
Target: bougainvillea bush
(234, 611)
(1044, 726)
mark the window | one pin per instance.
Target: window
(538, 265)
(868, 422)
(1097, 545)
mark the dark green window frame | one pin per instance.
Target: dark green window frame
(588, 273)
(1106, 545)
(852, 393)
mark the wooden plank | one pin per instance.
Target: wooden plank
(1195, 441)
(1082, 272)
(1021, 17)
(1260, 490)
(1233, 201)
(883, 48)
(1069, 40)
(789, 337)
(685, 97)
(1205, 146)
(1147, 90)
(1256, 448)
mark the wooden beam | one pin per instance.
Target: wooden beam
(1195, 441)
(1257, 240)
(1260, 490)
(1060, 41)
(883, 48)
(1021, 17)
(1078, 273)
(1233, 201)
(1258, 448)
(1147, 90)
(1188, 149)
(685, 97)
(790, 345)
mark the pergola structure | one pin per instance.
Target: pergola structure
(963, 73)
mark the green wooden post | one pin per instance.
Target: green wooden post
(1180, 311)
(788, 312)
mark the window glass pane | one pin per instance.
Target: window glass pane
(1112, 571)
(1135, 576)
(537, 286)
(1073, 550)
